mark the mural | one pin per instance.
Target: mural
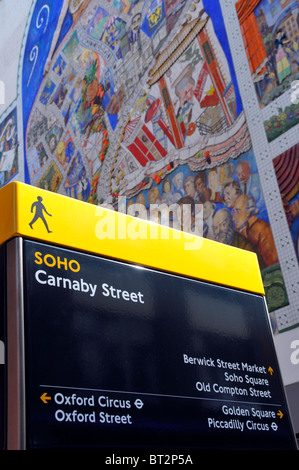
(125, 94)
(281, 122)
(139, 100)
(286, 167)
(270, 30)
(9, 164)
(234, 212)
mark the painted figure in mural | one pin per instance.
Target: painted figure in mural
(256, 230)
(225, 232)
(226, 172)
(178, 188)
(184, 89)
(250, 184)
(167, 194)
(186, 216)
(223, 227)
(154, 196)
(189, 187)
(231, 192)
(245, 177)
(203, 193)
(282, 63)
(214, 185)
(209, 209)
(141, 210)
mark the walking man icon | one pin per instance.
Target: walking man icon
(39, 210)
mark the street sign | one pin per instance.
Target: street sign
(2, 349)
(125, 356)
(122, 333)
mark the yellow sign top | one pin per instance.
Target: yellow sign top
(41, 215)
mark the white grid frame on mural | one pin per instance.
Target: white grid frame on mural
(264, 151)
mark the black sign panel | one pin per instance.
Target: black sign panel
(123, 356)
(2, 348)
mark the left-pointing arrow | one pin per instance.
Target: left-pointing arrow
(44, 398)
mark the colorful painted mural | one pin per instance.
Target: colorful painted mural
(281, 122)
(286, 167)
(125, 95)
(9, 144)
(234, 212)
(139, 100)
(270, 31)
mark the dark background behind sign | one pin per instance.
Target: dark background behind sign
(95, 346)
(3, 339)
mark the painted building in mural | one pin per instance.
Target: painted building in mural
(139, 101)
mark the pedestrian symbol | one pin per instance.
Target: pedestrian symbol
(39, 213)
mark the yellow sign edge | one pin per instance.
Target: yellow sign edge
(77, 225)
